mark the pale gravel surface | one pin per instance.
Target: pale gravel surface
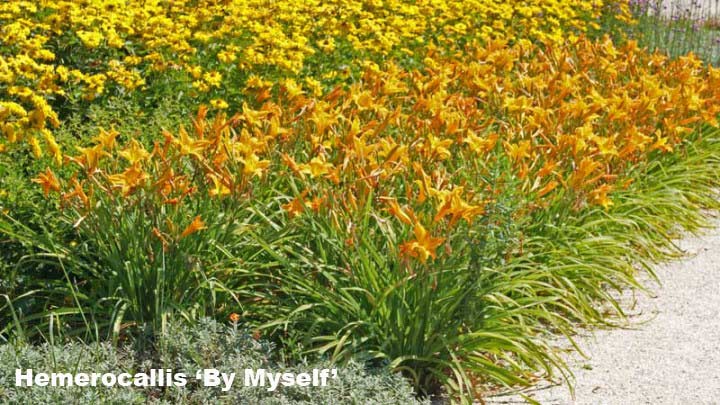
(670, 352)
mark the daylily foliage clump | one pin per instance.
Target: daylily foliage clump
(420, 146)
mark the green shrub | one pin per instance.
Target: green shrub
(206, 345)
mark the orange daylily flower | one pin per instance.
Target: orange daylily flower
(48, 181)
(190, 146)
(452, 204)
(481, 145)
(106, 139)
(518, 151)
(400, 213)
(550, 186)
(296, 206)
(254, 166)
(423, 246)
(90, 157)
(77, 192)
(316, 203)
(600, 195)
(661, 142)
(156, 232)
(582, 173)
(219, 187)
(129, 179)
(195, 226)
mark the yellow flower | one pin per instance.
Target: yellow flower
(253, 165)
(35, 147)
(134, 153)
(218, 103)
(213, 79)
(317, 167)
(292, 88)
(53, 146)
(226, 56)
(518, 151)
(90, 39)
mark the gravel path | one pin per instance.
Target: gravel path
(686, 8)
(670, 352)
